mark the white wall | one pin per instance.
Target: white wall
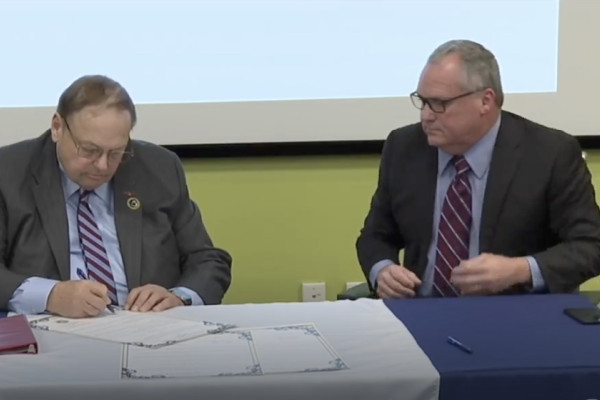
(573, 107)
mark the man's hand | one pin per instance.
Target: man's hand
(78, 298)
(396, 281)
(151, 298)
(490, 273)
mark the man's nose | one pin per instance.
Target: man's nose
(427, 113)
(102, 162)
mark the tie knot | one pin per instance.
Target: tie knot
(461, 164)
(84, 194)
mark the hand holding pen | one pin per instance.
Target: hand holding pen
(82, 276)
(75, 298)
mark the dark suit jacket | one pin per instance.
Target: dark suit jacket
(539, 201)
(163, 242)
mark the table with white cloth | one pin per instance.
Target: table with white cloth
(523, 347)
(383, 360)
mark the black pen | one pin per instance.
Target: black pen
(458, 344)
(81, 275)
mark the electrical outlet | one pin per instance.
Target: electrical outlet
(350, 285)
(314, 291)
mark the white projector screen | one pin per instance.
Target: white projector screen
(265, 71)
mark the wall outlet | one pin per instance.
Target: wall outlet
(350, 285)
(314, 291)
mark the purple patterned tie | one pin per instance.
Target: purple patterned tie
(453, 230)
(92, 246)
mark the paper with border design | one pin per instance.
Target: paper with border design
(236, 352)
(148, 330)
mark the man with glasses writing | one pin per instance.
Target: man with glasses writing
(482, 201)
(90, 217)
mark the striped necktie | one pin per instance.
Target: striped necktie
(92, 246)
(454, 229)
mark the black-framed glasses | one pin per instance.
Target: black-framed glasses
(437, 105)
(93, 153)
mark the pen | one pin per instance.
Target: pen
(458, 344)
(81, 275)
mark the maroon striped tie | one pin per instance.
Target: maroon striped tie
(453, 230)
(92, 246)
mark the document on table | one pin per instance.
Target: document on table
(149, 330)
(236, 352)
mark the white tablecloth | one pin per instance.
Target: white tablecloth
(385, 361)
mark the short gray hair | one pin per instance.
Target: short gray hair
(480, 66)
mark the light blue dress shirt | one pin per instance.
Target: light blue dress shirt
(31, 296)
(479, 158)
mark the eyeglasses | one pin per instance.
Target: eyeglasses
(93, 153)
(437, 105)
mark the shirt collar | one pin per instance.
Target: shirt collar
(479, 156)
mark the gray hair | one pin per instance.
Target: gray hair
(480, 66)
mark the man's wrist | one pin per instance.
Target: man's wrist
(523, 271)
(185, 298)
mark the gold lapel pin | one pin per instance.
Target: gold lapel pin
(133, 203)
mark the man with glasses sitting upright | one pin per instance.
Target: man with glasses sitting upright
(90, 218)
(482, 201)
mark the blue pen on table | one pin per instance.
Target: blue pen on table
(458, 344)
(81, 275)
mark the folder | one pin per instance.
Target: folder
(16, 336)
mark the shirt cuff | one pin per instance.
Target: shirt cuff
(196, 299)
(376, 269)
(31, 297)
(538, 284)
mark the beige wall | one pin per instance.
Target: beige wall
(288, 220)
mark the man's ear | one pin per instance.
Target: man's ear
(56, 127)
(488, 101)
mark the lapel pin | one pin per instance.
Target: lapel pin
(133, 202)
